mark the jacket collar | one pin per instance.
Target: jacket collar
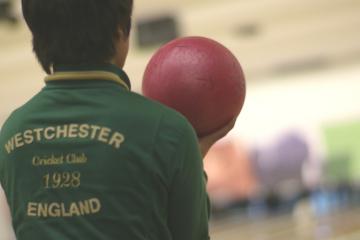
(105, 72)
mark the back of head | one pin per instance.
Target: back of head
(76, 32)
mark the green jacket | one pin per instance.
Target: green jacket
(86, 158)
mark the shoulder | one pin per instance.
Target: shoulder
(170, 127)
(15, 120)
(10, 124)
(170, 118)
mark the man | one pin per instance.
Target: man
(86, 158)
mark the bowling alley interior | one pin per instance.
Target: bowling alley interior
(290, 168)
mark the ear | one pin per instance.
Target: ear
(121, 45)
(122, 34)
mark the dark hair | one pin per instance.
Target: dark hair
(76, 32)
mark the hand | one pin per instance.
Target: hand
(207, 141)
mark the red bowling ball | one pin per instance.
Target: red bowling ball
(199, 78)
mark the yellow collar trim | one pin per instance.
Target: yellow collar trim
(86, 75)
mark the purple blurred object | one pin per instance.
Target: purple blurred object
(282, 161)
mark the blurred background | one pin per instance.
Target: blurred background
(291, 166)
